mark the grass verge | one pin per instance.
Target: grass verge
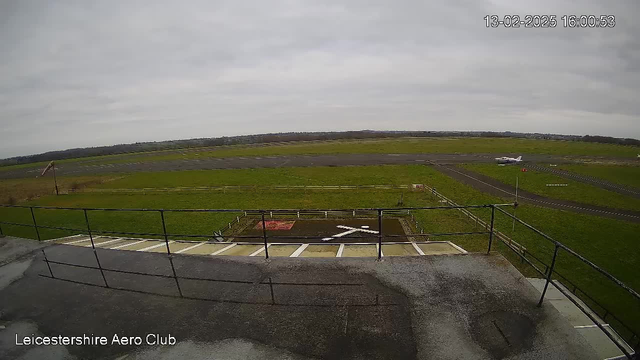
(536, 182)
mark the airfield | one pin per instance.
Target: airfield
(595, 212)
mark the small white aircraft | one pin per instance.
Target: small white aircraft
(509, 160)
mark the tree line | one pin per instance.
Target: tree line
(290, 137)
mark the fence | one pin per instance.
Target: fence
(246, 188)
(549, 270)
(489, 229)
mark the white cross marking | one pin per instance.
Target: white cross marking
(350, 230)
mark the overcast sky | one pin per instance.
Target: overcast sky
(89, 73)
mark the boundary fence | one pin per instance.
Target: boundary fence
(489, 229)
(245, 188)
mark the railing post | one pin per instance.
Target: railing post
(166, 242)
(379, 234)
(93, 246)
(264, 236)
(493, 215)
(164, 231)
(35, 225)
(549, 274)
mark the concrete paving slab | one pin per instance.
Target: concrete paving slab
(110, 245)
(206, 249)
(569, 310)
(600, 342)
(438, 249)
(241, 250)
(140, 245)
(70, 238)
(360, 251)
(96, 240)
(399, 250)
(282, 250)
(173, 246)
(124, 244)
(77, 242)
(320, 251)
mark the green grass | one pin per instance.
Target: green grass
(17, 190)
(609, 243)
(378, 146)
(535, 182)
(360, 175)
(619, 174)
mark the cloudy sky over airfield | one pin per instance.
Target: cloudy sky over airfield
(89, 73)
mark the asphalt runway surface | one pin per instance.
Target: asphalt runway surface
(494, 187)
(80, 168)
(430, 307)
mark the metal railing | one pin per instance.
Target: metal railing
(263, 213)
(550, 270)
(379, 213)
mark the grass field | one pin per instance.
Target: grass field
(397, 146)
(535, 182)
(609, 243)
(623, 175)
(322, 175)
(18, 190)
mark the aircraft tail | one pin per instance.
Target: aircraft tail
(519, 158)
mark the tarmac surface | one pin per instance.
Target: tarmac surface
(81, 168)
(430, 307)
(497, 188)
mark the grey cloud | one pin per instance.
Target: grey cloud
(77, 73)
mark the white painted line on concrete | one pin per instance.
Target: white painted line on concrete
(299, 250)
(340, 250)
(155, 246)
(125, 245)
(457, 247)
(223, 249)
(77, 241)
(189, 248)
(259, 250)
(105, 242)
(417, 248)
(356, 229)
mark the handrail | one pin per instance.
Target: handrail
(572, 252)
(256, 210)
(376, 212)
